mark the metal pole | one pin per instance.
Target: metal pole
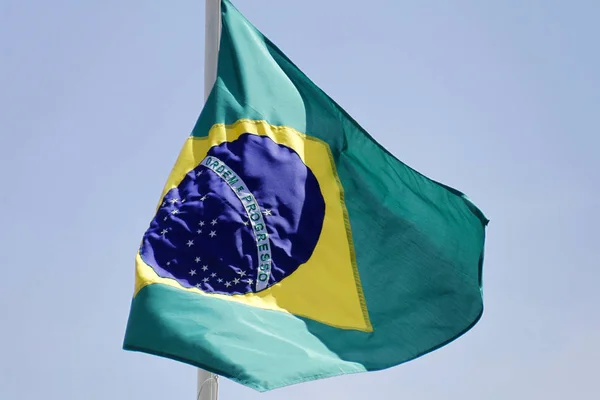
(211, 47)
(208, 386)
(208, 383)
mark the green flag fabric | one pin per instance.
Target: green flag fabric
(288, 245)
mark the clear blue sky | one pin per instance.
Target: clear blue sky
(500, 99)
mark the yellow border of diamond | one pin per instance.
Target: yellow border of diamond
(327, 287)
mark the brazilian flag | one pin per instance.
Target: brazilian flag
(288, 245)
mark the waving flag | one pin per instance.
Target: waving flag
(288, 245)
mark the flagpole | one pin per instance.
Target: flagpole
(208, 383)
(212, 34)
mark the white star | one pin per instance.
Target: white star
(205, 280)
(227, 284)
(190, 243)
(199, 231)
(213, 234)
(203, 198)
(198, 285)
(201, 223)
(205, 268)
(175, 212)
(173, 201)
(164, 204)
(246, 223)
(169, 263)
(192, 272)
(213, 222)
(165, 218)
(219, 280)
(236, 281)
(164, 232)
(241, 273)
(197, 259)
(199, 173)
(250, 281)
(182, 201)
(213, 275)
(267, 212)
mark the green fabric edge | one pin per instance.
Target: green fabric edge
(165, 318)
(160, 314)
